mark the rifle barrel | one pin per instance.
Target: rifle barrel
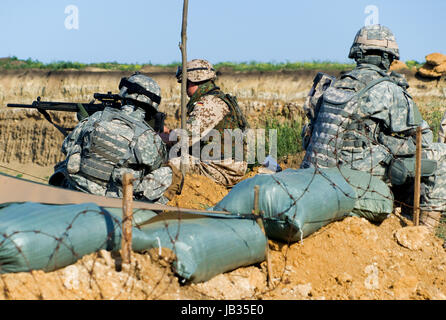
(59, 106)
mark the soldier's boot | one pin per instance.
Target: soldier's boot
(431, 219)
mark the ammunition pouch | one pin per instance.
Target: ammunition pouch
(402, 169)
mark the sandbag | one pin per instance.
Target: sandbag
(206, 246)
(48, 237)
(296, 203)
(374, 199)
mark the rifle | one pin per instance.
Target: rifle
(84, 110)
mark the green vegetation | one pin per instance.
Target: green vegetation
(15, 63)
(289, 141)
(440, 231)
(432, 112)
(284, 66)
(413, 63)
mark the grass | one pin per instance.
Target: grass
(441, 229)
(413, 63)
(289, 139)
(284, 66)
(15, 63)
(432, 111)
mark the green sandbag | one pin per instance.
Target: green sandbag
(296, 203)
(374, 199)
(206, 246)
(47, 237)
(139, 216)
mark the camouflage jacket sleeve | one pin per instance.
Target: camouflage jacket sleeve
(150, 150)
(400, 116)
(155, 184)
(207, 113)
(393, 106)
(72, 142)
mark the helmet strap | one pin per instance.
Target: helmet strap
(382, 61)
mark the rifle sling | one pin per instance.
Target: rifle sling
(48, 117)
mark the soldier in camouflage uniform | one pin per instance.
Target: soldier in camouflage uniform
(112, 142)
(210, 110)
(367, 121)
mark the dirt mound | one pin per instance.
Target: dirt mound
(435, 59)
(398, 65)
(434, 67)
(349, 259)
(198, 192)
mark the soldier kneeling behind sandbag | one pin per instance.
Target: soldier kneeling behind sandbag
(112, 142)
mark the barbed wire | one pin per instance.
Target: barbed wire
(162, 280)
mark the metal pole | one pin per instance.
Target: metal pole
(259, 221)
(127, 217)
(416, 200)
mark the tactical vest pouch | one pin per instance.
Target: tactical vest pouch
(243, 123)
(402, 169)
(104, 151)
(100, 171)
(232, 103)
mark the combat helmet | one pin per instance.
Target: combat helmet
(374, 38)
(198, 70)
(141, 88)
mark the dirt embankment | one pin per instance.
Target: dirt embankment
(26, 137)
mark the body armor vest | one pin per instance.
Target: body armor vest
(340, 128)
(102, 152)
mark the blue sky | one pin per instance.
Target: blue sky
(148, 31)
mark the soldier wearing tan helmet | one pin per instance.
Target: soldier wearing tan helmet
(210, 110)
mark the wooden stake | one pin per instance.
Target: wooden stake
(259, 220)
(183, 49)
(127, 217)
(416, 200)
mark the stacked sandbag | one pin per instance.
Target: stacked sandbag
(398, 65)
(296, 203)
(36, 236)
(206, 245)
(434, 67)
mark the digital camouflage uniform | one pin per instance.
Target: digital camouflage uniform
(366, 120)
(110, 143)
(210, 111)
